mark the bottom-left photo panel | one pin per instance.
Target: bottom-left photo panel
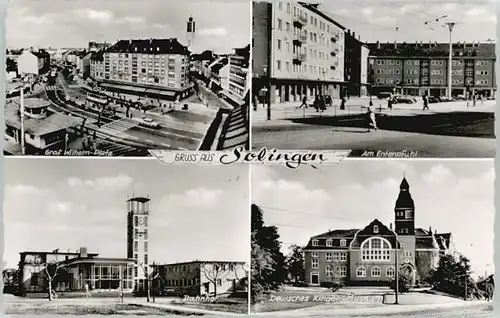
(125, 236)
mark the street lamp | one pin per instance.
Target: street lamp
(450, 28)
(267, 73)
(396, 272)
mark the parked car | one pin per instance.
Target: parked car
(384, 95)
(398, 99)
(148, 122)
(432, 100)
(460, 97)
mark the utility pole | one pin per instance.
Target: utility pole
(396, 272)
(268, 93)
(21, 110)
(450, 25)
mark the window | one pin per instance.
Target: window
(375, 249)
(376, 271)
(329, 242)
(315, 263)
(389, 272)
(406, 254)
(342, 271)
(361, 272)
(315, 255)
(315, 242)
(342, 242)
(328, 271)
(328, 257)
(279, 44)
(278, 65)
(375, 229)
(343, 257)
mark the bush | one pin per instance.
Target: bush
(404, 284)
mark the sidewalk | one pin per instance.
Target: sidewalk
(290, 110)
(184, 309)
(355, 309)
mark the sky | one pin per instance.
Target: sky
(196, 212)
(376, 20)
(62, 23)
(449, 196)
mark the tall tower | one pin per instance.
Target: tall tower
(404, 211)
(190, 32)
(137, 237)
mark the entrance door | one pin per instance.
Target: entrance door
(315, 279)
(207, 288)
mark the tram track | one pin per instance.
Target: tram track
(118, 146)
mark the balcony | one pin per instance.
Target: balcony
(299, 39)
(333, 53)
(333, 67)
(299, 21)
(299, 58)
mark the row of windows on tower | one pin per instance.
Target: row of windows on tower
(136, 246)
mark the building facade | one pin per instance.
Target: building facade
(422, 68)
(355, 65)
(239, 76)
(33, 60)
(203, 277)
(71, 271)
(158, 64)
(298, 49)
(137, 238)
(367, 256)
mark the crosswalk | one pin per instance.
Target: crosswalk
(56, 87)
(118, 127)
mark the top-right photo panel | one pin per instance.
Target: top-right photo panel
(384, 79)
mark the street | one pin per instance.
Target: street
(440, 132)
(179, 129)
(482, 311)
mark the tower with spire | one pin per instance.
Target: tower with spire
(190, 32)
(404, 222)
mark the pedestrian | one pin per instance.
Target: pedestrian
(389, 103)
(316, 103)
(474, 99)
(304, 102)
(322, 103)
(426, 102)
(371, 117)
(342, 103)
(255, 102)
(87, 291)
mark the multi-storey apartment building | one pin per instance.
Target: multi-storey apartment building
(203, 277)
(239, 76)
(298, 49)
(355, 65)
(367, 256)
(152, 66)
(422, 68)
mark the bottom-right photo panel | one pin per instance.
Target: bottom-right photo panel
(374, 238)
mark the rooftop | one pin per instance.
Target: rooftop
(39, 127)
(432, 49)
(149, 46)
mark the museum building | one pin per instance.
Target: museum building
(366, 256)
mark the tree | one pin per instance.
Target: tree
(52, 270)
(10, 276)
(268, 263)
(214, 272)
(453, 277)
(295, 263)
(145, 270)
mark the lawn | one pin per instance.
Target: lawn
(55, 308)
(230, 305)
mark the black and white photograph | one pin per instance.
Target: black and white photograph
(120, 77)
(126, 237)
(374, 238)
(381, 78)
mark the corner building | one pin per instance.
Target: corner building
(298, 48)
(366, 256)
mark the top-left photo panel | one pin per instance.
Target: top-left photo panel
(121, 77)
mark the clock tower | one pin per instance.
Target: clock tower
(137, 238)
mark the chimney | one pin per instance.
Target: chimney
(83, 252)
(150, 41)
(464, 44)
(348, 31)
(435, 232)
(130, 42)
(378, 45)
(390, 226)
(395, 45)
(430, 44)
(430, 230)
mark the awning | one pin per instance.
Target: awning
(124, 87)
(160, 92)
